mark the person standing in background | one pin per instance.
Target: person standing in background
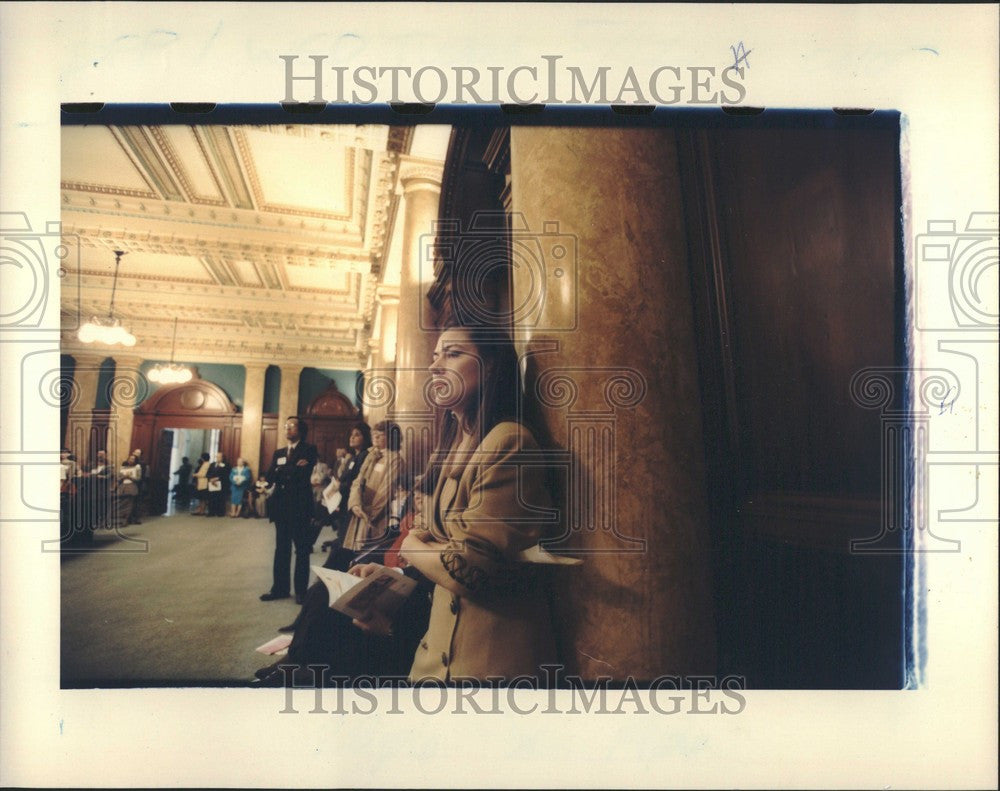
(201, 485)
(290, 508)
(183, 489)
(239, 481)
(218, 485)
(134, 518)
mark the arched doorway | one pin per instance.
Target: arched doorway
(194, 405)
(331, 416)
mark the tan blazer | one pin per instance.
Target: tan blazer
(372, 490)
(501, 624)
(201, 484)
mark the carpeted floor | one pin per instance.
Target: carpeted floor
(171, 602)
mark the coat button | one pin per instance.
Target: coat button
(454, 605)
(444, 659)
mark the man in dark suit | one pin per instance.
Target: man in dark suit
(290, 508)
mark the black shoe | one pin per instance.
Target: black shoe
(273, 596)
(270, 676)
(289, 628)
(299, 598)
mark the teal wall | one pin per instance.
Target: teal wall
(67, 367)
(104, 380)
(231, 378)
(314, 381)
(272, 388)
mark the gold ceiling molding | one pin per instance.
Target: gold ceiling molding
(313, 274)
(101, 189)
(171, 158)
(142, 150)
(164, 222)
(222, 152)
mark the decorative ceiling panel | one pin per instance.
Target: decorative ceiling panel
(317, 279)
(323, 184)
(266, 243)
(246, 273)
(185, 153)
(94, 160)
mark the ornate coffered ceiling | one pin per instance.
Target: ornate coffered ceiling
(267, 243)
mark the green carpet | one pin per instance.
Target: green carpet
(181, 609)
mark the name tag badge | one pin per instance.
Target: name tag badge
(282, 460)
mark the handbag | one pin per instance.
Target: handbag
(215, 486)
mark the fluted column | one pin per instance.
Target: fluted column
(381, 369)
(608, 323)
(253, 414)
(127, 386)
(79, 428)
(415, 338)
(288, 395)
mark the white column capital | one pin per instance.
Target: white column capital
(387, 293)
(419, 174)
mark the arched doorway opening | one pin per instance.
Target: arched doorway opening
(199, 406)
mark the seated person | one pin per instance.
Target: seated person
(326, 637)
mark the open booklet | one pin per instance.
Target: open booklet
(536, 554)
(380, 593)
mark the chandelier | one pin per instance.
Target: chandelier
(170, 374)
(110, 330)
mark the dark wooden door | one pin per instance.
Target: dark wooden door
(796, 278)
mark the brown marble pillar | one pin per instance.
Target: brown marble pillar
(415, 338)
(253, 415)
(126, 388)
(79, 428)
(603, 308)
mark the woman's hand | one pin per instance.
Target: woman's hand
(417, 543)
(364, 569)
(359, 513)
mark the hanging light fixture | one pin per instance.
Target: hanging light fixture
(109, 330)
(170, 374)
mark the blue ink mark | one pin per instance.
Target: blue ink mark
(352, 35)
(60, 727)
(928, 49)
(740, 55)
(951, 404)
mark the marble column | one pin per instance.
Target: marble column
(605, 315)
(253, 413)
(415, 337)
(378, 381)
(79, 428)
(128, 386)
(288, 397)
(381, 371)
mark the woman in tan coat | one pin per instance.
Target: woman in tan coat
(373, 488)
(490, 614)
